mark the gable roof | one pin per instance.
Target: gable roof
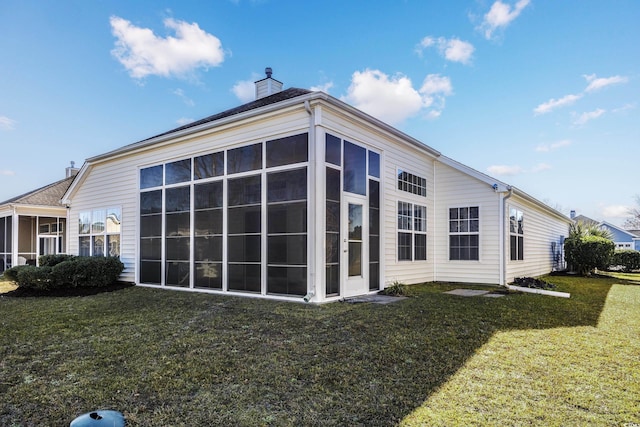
(585, 220)
(262, 102)
(49, 195)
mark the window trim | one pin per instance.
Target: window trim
(409, 221)
(466, 232)
(518, 234)
(410, 186)
(105, 233)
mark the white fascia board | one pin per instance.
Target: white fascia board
(501, 186)
(372, 121)
(542, 205)
(622, 230)
(66, 197)
(171, 137)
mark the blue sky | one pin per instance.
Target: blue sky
(543, 95)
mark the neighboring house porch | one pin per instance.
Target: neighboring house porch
(34, 224)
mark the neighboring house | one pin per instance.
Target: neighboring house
(34, 224)
(298, 194)
(623, 239)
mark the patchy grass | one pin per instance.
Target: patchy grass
(629, 277)
(177, 358)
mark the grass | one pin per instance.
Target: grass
(176, 358)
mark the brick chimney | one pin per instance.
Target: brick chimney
(267, 86)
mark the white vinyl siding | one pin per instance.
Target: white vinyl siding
(456, 189)
(395, 154)
(116, 182)
(540, 230)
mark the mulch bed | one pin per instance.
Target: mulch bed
(65, 292)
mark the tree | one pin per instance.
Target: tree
(588, 247)
(633, 223)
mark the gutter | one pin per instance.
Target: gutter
(503, 249)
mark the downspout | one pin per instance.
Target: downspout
(503, 251)
(311, 290)
(434, 217)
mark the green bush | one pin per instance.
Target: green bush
(38, 278)
(53, 260)
(12, 273)
(628, 259)
(74, 272)
(87, 272)
(585, 253)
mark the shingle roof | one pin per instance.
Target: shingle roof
(48, 195)
(267, 100)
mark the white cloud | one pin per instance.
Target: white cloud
(143, 53)
(7, 173)
(552, 104)
(453, 49)
(180, 94)
(553, 146)
(540, 167)
(624, 108)
(504, 170)
(616, 211)
(586, 117)
(6, 123)
(184, 121)
(245, 90)
(598, 83)
(322, 88)
(393, 98)
(500, 16)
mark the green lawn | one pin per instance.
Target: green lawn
(177, 358)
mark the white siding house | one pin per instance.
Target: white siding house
(299, 195)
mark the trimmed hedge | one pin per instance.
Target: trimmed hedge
(74, 272)
(628, 259)
(53, 260)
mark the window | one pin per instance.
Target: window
(516, 234)
(355, 169)
(412, 232)
(244, 159)
(332, 212)
(287, 232)
(412, 183)
(99, 232)
(208, 166)
(226, 220)
(464, 233)
(286, 151)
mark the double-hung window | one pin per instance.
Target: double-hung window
(464, 233)
(412, 232)
(516, 234)
(99, 232)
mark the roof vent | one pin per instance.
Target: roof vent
(267, 86)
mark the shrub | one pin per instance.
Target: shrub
(396, 288)
(87, 272)
(53, 260)
(38, 278)
(12, 273)
(628, 259)
(586, 249)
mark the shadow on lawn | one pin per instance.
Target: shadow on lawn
(173, 358)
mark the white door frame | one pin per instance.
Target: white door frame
(354, 278)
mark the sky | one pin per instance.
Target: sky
(543, 95)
